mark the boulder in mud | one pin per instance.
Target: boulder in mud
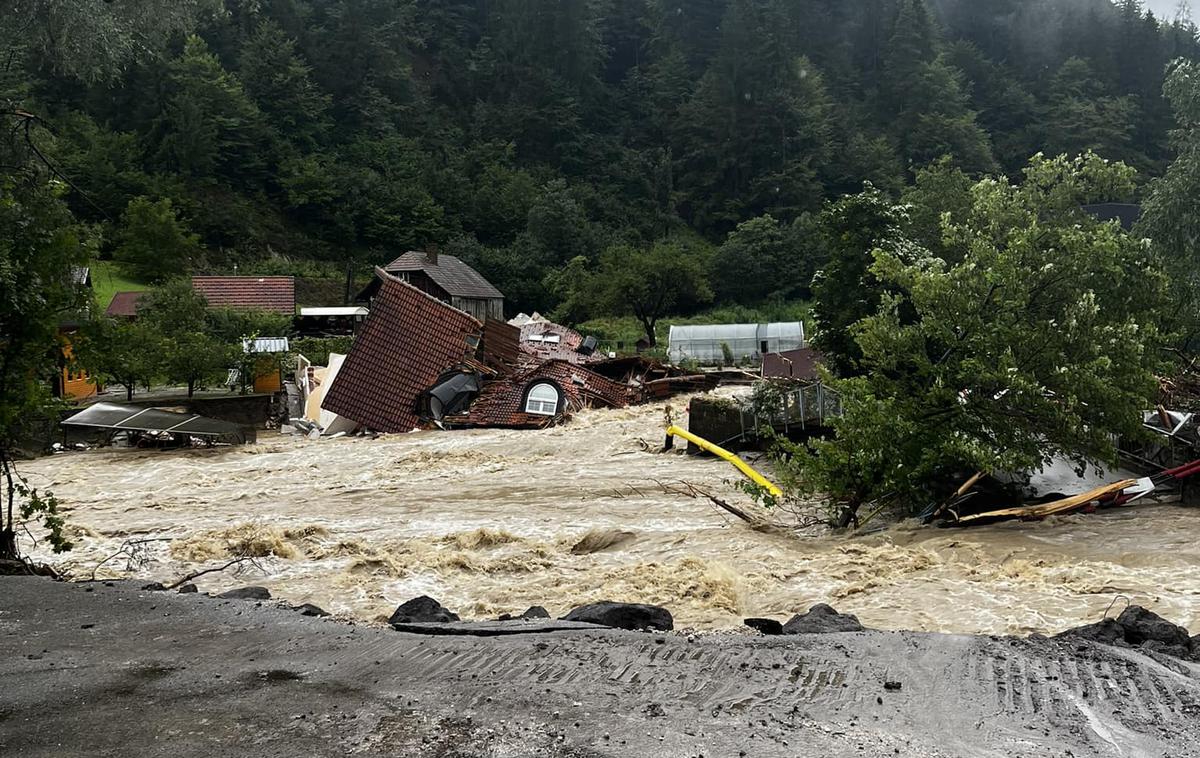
(423, 609)
(633, 616)
(308, 609)
(532, 612)
(822, 619)
(153, 587)
(765, 626)
(186, 588)
(247, 593)
(1143, 626)
(1107, 631)
(1137, 627)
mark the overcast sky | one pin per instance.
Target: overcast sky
(1165, 8)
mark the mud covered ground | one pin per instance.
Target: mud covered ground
(96, 670)
(493, 521)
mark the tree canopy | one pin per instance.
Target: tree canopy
(526, 136)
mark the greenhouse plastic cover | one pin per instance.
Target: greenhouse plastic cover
(702, 343)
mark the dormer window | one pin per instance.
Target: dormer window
(542, 400)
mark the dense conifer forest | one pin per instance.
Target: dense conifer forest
(544, 141)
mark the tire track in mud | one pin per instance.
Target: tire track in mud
(1100, 701)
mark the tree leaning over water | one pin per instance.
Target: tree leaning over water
(1034, 334)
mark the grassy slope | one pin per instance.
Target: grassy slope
(108, 280)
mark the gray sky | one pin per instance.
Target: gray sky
(1166, 8)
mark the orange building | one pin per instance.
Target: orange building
(74, 383)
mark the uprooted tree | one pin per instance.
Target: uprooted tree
(1034, 335)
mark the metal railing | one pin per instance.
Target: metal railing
(809, 406)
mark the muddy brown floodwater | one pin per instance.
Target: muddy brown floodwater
(493, 521)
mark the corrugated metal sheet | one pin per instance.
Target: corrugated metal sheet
(265, 345)
(132, 418)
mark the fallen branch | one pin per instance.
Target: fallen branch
(131, 549)
(198, 574)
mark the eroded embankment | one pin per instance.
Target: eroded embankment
(205, 675)
(494, 521)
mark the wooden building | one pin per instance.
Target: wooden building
(448, 279)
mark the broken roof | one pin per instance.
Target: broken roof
(124, 305)
(451, 274)
(547, 341)
(501, 403)
(267, 293)
(406, 344)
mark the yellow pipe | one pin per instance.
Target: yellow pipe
(721, 452)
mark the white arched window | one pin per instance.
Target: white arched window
(542, 400)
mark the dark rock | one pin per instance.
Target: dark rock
(533, 612)
(822, 619)
(247, 593)
(623, 616)
(765, 626)
(422, 609)
(153, 587)
(308, 609)
(1142, 625)
(1107, 631)
(893, 686)
(189, 587)
(1137, 627)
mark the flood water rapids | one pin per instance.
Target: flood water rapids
(493, 521)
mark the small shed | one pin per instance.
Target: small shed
(268, 376)
(714, 344)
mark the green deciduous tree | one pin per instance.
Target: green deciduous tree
(152, 243)
(845, 290)
(125, 352)
(652, 281)
(1171, 217)
(1038, 341)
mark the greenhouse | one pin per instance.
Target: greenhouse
(714, 344)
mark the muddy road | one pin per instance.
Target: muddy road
(111, 671)
(494, 521)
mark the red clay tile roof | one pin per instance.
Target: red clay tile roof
(268, 293)
(407, 342)
(124, 305)
(449, 273)
(500, 404)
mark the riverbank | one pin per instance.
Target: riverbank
(114, 671)
(493, 521)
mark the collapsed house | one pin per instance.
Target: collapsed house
(419, 361)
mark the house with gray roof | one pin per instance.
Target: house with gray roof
(446, 278)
